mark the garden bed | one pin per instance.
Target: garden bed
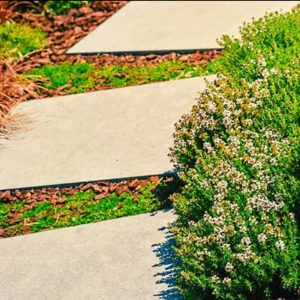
(63, 31)
(66, 78)
(31, 210)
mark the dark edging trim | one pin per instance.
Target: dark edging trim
(145, 52)
(73, 184)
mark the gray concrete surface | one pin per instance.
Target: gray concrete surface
(120, 259)
(108, 134)
(149, 26)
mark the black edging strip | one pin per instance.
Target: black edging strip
(74, 184)
(145, 52)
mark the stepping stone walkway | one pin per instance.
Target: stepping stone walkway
(110, 134)
(164, 26)
(127, 258)
(117, 133)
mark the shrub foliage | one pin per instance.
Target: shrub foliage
(237, 153)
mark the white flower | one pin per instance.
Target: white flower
(262, 238)
(239, 101)
(248, 122)
(192, 223)
(292, 216)
(280, 245)
(246, 241)
(262, 62)
(211, 106)
(226, 246)
(217, 140)
(227, 280)
(265, 73)
(243, 229)
(227, 122)
(269, 134)
(228, 267)
(227, 113)
(237, 112)
(214, 278)
(259, 103)
(235, 141)
(223, 184)
(208, 147)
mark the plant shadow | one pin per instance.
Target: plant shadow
(166, 274)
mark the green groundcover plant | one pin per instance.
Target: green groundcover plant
(82, 77)
(57, 7)
(80, 208)
(237, 151)
(19, 39)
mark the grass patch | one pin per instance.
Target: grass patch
(82, 77)
(20, 216)
(19, 39)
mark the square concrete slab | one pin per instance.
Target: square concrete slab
(164, 26)
(128, 258)
(101, 135)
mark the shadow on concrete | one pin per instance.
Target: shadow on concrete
(167, 277)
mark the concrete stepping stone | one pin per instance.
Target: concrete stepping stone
(127, 258)
(164, 26)
(110, 134)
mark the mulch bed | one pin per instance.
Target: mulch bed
(57, 197)
(64, 31)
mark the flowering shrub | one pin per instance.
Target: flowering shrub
(237, 153)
